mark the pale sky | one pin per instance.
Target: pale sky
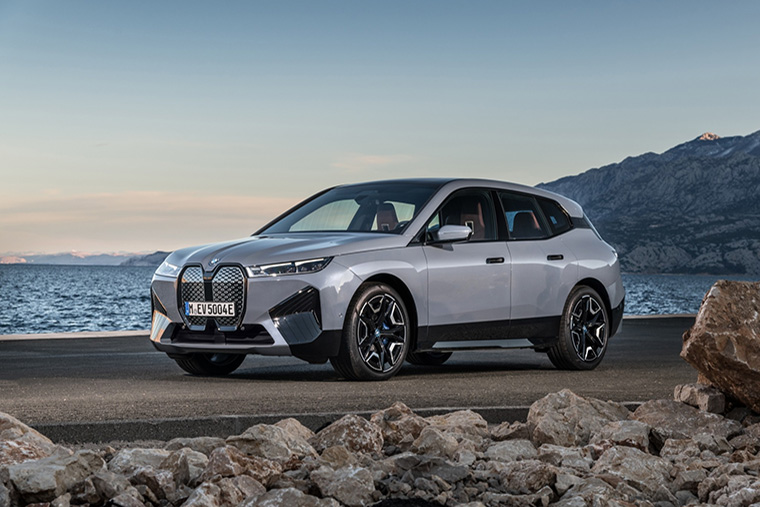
(141, 125)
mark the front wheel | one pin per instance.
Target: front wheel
(210, 365)
(376, 334)
(583, 333)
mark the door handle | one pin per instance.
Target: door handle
(495, 260)
(555, 257)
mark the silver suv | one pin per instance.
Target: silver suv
(372, 274)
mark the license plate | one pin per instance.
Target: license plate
(209, 309)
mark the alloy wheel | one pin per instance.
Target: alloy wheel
(381, 333)
(588, 328)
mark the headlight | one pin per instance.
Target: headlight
(167, 269)
(289, 268)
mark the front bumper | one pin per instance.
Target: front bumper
(299, 316)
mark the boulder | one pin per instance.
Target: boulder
(101, 487)
(271, 442)
(122, 500)
(204, 445)
(576, 458)
(509, 431)
(433, 441)
(564, 418)
(462, 423)
(542, 497)
(205, 495)
(290, 497)
(355, 433)
(229, 461)
(128, 460)
(337, 456)
(511, 450)
(523, 477)
(19, 442)
(723, 345)
(643, 471)
(160, 482)
(185, 465)
(45, 479)
(398, 423)
(675, 420)
(351, 485)
(628, 433)
(295, 429)
(706, 398)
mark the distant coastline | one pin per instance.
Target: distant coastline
(83, 259)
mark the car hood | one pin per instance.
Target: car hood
(267, 249)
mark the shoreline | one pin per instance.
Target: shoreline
(146, 332)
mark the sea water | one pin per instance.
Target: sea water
(60, 299)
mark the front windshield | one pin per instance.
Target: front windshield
(369, 207)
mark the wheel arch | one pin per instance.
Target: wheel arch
(400, 287)
(600, 289)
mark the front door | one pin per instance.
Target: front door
(468, 282)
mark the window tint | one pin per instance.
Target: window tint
(369, 207)
(523, 218)
(390, 214)
(555, 215)
(333, 216)
(473, 208)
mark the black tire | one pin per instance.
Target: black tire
(210, 365)
(376, 334)
(428, 358)
(583, 332)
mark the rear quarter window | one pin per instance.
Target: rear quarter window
(555, 215)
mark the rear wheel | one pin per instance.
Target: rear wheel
(376, 334)
(210, 365)
(428, 358)
(583, 333)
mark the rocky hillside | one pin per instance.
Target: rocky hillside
(151, 260)
(692, 209)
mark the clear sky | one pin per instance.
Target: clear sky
(143, 125)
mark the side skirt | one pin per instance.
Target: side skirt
(538, 333)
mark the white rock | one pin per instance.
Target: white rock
(355, 433)
(351, 485)
(46, 479)
(512, 450)
(434, 441)
(565, 418)
(129, 460)
(289, 497)
(272, 442)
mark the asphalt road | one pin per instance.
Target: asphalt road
(76, 382)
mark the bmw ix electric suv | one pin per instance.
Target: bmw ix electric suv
(370, 275)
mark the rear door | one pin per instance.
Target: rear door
(543, 268)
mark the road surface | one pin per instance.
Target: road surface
(79, 383)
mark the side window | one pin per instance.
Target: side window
(555, 215)
(473, 208)
(523, 218)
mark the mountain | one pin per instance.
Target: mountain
(73, 258)
(151, 260)
(692, 209)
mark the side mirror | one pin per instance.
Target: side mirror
(451, 234)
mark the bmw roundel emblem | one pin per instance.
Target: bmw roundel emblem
(214, 261)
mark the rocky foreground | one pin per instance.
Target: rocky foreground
(572, 451)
